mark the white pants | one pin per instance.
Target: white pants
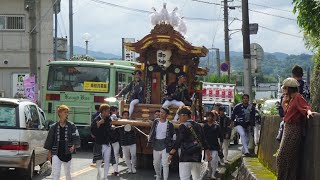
(214, 162)
(131, 106)
(161, 158)
(116, 148)
(256, 130)
(186, 169)
(56, 168)
(130, 151)
(244, 138)
(225, 148)
(106, 153)
(175, 103)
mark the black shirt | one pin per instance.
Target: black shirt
(179, 93)
(212, 134)
(185, 137)
(225, 122)
(127, 138)
(62, 146)
(103, 133)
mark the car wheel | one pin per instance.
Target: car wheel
(30, 170)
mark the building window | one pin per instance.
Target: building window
(2, 22)
(12, 22)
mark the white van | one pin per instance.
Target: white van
(23, 133)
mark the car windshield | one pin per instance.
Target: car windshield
(209, 107)
(8, 115)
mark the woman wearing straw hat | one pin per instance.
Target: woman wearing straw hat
(296, 109)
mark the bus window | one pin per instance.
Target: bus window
(78, 78)
(123, 80)
(130, 79)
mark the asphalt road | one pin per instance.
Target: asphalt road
(81, 169)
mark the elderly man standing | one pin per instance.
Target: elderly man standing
(136, 89)
(161, 138)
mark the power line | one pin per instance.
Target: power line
(49, 10)
(199, 19)
(215, 33)
(63, 25)
(274, 15)
(149, 12)
(121, 7)
(206, 2)
(281, 32)
(288, 34)
(59, 28)
(269, 7)
(77, 8)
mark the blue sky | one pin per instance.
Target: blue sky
(107, 24)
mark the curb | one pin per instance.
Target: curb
(229, 168)
(252, 169)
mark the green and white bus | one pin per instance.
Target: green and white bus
(81, 85)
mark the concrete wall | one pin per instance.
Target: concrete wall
(14, 45)
(310, 156)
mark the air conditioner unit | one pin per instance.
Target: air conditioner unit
(1, 94)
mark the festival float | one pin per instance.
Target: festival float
(163, 55)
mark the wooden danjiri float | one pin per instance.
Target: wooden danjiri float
(164, 54)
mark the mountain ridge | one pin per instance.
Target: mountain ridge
(274, 63)
(99, 54)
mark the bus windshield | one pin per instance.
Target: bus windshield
(78, 78)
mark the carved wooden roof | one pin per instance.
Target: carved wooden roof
(164, 35)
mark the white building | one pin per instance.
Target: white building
(14, 42)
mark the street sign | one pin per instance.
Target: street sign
(253, 28)
(224, 67)
(17, 83)
(127, 55)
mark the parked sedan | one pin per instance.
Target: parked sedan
(23, 133)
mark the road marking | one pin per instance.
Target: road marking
(77, 173)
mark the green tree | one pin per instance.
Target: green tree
(309, 20)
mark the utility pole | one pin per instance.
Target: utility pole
(87, 47)
(55, 31)
(226, 36)
(71, 28)
(246, 49)
(218, 61)
(33, 39)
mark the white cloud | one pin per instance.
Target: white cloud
(108, 24)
